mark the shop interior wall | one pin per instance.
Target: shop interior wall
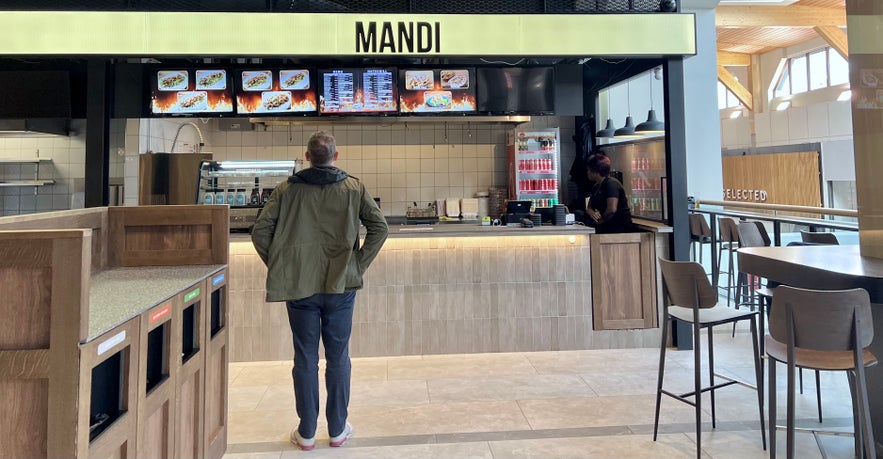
(401, 163)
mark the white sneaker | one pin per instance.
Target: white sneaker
(340, 440)
(304, 444)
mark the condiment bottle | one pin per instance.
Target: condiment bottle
(255, 199)
(241, 199)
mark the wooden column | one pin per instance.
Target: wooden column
(864, 19)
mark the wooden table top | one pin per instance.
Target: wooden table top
(819, 267)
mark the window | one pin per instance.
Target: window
(813, 70)
(726, 98)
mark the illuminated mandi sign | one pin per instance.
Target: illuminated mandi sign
(130, 33)
(745, 195)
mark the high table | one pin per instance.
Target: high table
(829, 267)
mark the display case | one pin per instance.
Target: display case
(243, 185)
(534, 163)
(642, 164)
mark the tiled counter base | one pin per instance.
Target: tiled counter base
(440, 294)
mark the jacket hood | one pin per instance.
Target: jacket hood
(319, 176)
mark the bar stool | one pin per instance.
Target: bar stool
(700, 234)
(695, 301)
(819, 238)
(822, 330)
(729, 241)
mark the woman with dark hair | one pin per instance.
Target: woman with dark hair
(606, 206)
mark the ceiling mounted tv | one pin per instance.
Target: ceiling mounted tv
(181, 91)
(357, 90)
(275, 91)
(516, 90)
(437, 91)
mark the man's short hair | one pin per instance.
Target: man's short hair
(600, 163)
(322, 147)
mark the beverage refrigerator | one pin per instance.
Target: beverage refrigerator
(534, 166)
(643, 169)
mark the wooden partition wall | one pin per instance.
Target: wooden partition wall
(785, 178)
(130, 387)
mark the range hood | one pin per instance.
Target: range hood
(387, 120)
(34, 127)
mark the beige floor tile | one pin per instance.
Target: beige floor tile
(245, 398)
(267, 455)
(632, 446)
(388, 393)
(262, 375)
(476, 450)
(747, 445)
(437, 418)
(643, 382)
(579, 362)
(279, 396)
(511, 388)
(460, 366)
(602, 411)
(260, 426)
(367, 368)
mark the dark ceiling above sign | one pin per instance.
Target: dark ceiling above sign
(347, 6)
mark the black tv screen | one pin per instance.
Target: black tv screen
(516, 90)
(352, 90)
(180, 91)
(275, 91)
(437, 90)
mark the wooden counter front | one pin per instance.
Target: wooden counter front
(490, 290)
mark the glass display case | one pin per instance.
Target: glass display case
(534, 166)
(243, 185)
(642, 165)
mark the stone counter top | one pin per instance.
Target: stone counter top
(119, 294)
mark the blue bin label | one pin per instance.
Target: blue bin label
(218, 280)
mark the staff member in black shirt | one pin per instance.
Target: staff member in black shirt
(606, 206)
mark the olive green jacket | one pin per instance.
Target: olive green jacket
(308, 234)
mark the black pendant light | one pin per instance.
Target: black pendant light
(627, 131)
(608, 131)
(652, 125)
(610, 128)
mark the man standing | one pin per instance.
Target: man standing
(308, 236)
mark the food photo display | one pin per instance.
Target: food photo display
(437, 91)
(275, 91)
(190, 91)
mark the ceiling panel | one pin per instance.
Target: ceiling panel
(758, 40)
(823, 3)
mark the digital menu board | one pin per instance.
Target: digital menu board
(370, 90)
(190, 91)
(437, 90)
(275, 91)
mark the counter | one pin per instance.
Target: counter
(457, 288)
(830, 267)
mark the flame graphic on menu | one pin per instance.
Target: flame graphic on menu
(415, 103)
(167, 102)
(251, 102)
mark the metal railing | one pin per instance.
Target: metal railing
(769, 213)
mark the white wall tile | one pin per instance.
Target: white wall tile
(817, 121)
(839, 119)
(797, 124)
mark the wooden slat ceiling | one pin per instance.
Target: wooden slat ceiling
(759, 40)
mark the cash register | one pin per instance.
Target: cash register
(515, 211)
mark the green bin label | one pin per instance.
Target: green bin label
(191, 295)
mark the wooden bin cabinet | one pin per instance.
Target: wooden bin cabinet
(190, 362)
(156, 404)
(118, 439)
(217, 357)
(49, 348)
(621, 260)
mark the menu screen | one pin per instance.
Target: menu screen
(203, 91)
(287, 91)
(357, 91)
(437, 90)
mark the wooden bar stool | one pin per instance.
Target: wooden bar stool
(822, 330)
(695, 301)
(700, 234)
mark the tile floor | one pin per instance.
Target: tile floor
(569, 404)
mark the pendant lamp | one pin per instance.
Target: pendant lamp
(610, 128)
(652, 125)
(627, 131)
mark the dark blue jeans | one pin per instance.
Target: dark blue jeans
(331, 315)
